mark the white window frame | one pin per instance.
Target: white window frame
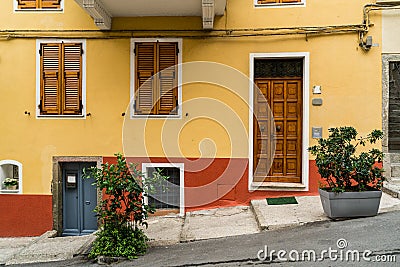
(279, 5)
(181, 168)
(19, 190)
(304, 185)
(41, 116)
(133, 78)
(60, 10)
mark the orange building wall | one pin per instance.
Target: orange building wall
(208, 183)
(25, 215)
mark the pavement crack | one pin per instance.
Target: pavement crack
(250, 260)
(386, 253)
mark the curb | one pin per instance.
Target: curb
(48, 234)
(394, 193)
(84, 249)
(255, 207)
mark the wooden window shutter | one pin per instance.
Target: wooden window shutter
(28, 4)
(37, 4)
(290, 1)
(50, 4)
(276, 1)
(50, 63)
(72, 81)
(145, 62)
(167, 79)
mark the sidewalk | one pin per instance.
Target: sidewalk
(168, 230)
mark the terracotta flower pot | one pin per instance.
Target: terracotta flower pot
(11, 187)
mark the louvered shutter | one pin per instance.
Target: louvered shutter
(145, 69)
(50, 78)
(277, 1)
(51, 4)
(167, 79)
(27, 4)
(290, 1)
(72, 85)
(37, 4)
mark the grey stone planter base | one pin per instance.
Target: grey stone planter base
(350, 204)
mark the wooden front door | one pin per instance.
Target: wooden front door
(284, 97)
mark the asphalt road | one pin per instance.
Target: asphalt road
(355, 242)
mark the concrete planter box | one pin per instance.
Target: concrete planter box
(350, 204)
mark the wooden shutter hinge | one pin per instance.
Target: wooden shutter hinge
(40, 105)
(40, 51)
(80, 105)
(82, 51)
(134, 50)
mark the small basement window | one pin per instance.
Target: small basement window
(10, 176)
(167, 195)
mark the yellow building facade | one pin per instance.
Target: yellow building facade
(74, 91)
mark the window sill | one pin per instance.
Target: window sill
(156, 116)
(275, 186)
(6, 191)
(61, 117)
(38, 10)
(279, 5)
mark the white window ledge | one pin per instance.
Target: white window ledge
(5, 191)
(275, 186)
(278, 5)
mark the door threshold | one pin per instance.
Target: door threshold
(276, 186)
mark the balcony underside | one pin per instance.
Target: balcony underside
(102, 11)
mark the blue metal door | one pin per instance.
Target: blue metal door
(79, 200)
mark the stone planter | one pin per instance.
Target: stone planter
(350, 204)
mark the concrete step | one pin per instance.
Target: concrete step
(272, 217)
(216, 223)
(391, 189)
(394, 170)
(394, 180)
(394, 157)
(49, 248)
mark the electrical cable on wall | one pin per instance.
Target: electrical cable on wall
(362, 29)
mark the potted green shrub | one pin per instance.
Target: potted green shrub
(10, 183)
(352, 180)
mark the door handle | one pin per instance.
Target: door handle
(278, 128)
(87, 202)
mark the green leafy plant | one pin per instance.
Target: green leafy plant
(122, 210)
(341, 167)
(10, 181)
